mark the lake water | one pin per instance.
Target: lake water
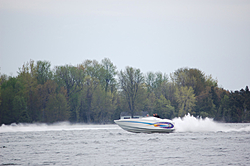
(195, 142)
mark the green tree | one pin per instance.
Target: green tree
(85, 110)
(108, 75)
(43, 71)
(48, 92)
(236, 111)
(103, 105)
(163, 108)
(95, 70)
(72, 79)
(27, 78)
(190, 77)
(186, 100)
(246, 105)
(109, 86)
(56, 108)
(149, 103)
(222, 114)
(130, 81)
(8, 95)
(1, 81)
(215, 97)
(19, 106)
(89, 92)
(157, 83)
(141, 99)
(150, 81)
(161, 83)
(205, 106)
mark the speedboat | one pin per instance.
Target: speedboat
(146, 125)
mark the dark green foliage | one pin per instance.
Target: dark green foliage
(7, 96)
(90, 92)
(163, 107)
(19, 107)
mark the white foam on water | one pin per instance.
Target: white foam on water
(52, 127)
(191, 124)
(186, 124)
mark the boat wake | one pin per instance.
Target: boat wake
(191, 124)
(61, 126)
(185, 124)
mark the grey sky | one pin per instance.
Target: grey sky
(152, 35)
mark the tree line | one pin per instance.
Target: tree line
(93, 92)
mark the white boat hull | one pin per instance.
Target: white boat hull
(146, 125)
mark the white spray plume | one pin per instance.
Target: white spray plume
(191, 124)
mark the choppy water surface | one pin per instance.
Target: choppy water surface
(195, 142)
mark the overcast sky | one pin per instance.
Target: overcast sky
(152, 35)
